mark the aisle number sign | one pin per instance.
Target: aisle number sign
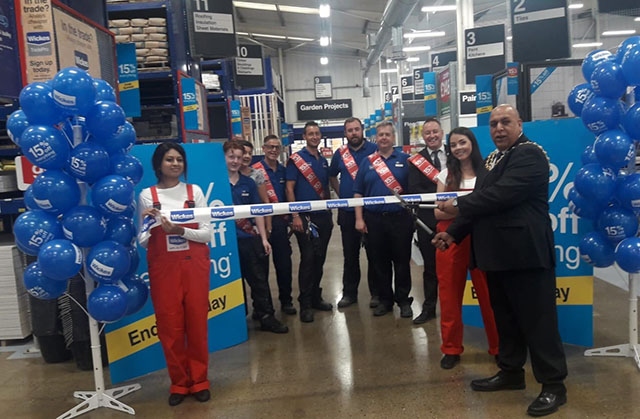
(540, 30)
(484, 51)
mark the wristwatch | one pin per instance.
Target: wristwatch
(455, 202)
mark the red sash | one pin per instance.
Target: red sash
(246, 225)
(385, 174)
(189, 203)
(349, 161)
(271, 192)
(426, 168)
(307, 171)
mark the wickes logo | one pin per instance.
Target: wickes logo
(222, 213)
(412, 198)
(182, 215)
(337, 203)
(82, 60)
(445, 196)
(261, 209)
(373, 201)
(39, 38)
(305, 206)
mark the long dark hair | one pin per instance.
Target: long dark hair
(158, 156)
(454, 177)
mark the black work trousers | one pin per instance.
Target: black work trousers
(429, 277)
(281, 253)
(351, 244)
(389, 239)
(313, 252)
(254, 265)
(524, 306)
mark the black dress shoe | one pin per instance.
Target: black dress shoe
(270, 324)
(374, 302)
(449, 361)
(381, 310)
(406, 311)
(322, 306)
(347, 301)
(288, 308)
(500, 381)
(546, 403)
(175, 399)
(424, 317)
(202, 395)
(306, 315)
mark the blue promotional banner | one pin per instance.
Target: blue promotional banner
(512, 78)
(236, 119)
(132, 343)
(388, 111)
(286, 131)
(378, 115)
(430, 94)
(541, 79)
(189, 103)
(128, 83)
(484, 99)
(9, 54)
(574, 277)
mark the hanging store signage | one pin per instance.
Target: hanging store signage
(324, 109)
(444, 84)
(441, 59)
(211, 29)
(467, 103)
(418, 83)
(249, 68)
(9, 57)
(128, 83)
(484, 51)
(540, 30)
(406, 86)
(322, 87)
(430, 94)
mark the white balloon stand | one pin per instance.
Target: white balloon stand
(99, 397)
(631, 349)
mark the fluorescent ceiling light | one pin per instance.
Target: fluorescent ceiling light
(424, 34)
(576, 6)
(298, 38)
(413, 59)
(619, 33)
(509, 38)
(324, 41)
(433, 9)
(324, 60)
(416, 49)
(637, 19)
(266, 35)
(389, 60)
(242, 33)
(587, 45)
(324, 10)
(296, 9)
(389, 70)
(256, 6)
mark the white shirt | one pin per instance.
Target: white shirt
(465, 184)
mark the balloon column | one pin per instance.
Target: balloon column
(607, 189)
(79, 207)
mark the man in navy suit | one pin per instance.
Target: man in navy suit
(507, 216)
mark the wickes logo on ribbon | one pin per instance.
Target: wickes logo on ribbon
(182, 216)
(222, 213)
(301, 207)
(261, 209)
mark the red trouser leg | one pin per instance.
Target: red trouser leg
(479, 279)
(451, 268)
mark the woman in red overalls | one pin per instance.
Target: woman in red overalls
(463, 166)
(178, 258)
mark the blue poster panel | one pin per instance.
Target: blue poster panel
(430, 94)
(128, 83)
(189, 104)
(132, 343)
(9, 55)
(484, 99)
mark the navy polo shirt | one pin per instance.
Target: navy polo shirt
(277, 179)
(303, 189)
(369, 183)
(245, 192)
(338, 167)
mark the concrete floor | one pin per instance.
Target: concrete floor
(348, 364)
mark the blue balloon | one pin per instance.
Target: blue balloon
(600, 114)
(73, 90)
(40, 286)
(591, 61)
(60, 259)
(56, 192)
(112, 194)
(107, 303)
(596, 250)
(16, 124)
(631, 121)
(127, 166)
(104, 91)
(628, 192)
(45, 147)
(84, 225)
(579, 96)
(121, 142)
(626, 45)
(89, 162)
(104, 119)
(628, 255)
(607, 79)
(617, 223)
(630, 65)
(595, 183)
(121, 230)
(583, 207)
(108, 261)
(614, 149)
(29, 201)
(589, 155)
(33, 229)
(135, 260)
(38, 104)
(136, 291)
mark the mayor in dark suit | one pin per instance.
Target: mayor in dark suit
(507, 216)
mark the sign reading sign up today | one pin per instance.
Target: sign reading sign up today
(322, 87)
(324, 109)
(484, 51)
(38, 37)
(540, 30)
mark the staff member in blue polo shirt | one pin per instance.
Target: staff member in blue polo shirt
(389, 227)
(308, 180)
(345, 162)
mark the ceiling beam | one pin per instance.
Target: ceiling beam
(280, 16)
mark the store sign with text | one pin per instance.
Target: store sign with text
(324, 109)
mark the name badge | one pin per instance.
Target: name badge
(177, 243)
(398, 164)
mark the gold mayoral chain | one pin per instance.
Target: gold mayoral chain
(496, 155)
